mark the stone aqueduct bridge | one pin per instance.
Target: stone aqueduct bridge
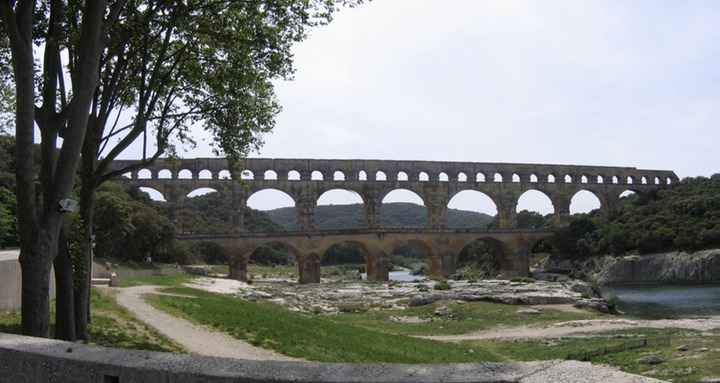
(305, 180)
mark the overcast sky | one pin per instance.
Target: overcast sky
(615, 83)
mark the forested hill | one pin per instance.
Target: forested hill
(393, 215)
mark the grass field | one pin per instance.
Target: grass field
(377, 336)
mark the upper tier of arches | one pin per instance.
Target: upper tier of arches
(390, 171)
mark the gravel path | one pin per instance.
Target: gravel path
(195, 338)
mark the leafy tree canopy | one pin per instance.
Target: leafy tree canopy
(684, 217)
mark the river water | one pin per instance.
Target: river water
(400, 275)
(667, 301)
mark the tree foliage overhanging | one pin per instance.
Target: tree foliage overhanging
(163, 64)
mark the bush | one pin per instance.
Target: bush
(442, 284)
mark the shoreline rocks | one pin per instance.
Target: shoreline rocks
(336, 297)
(677, 267)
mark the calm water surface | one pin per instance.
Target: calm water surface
(403, 275)
(667, 301)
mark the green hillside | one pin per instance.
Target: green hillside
(392, 215)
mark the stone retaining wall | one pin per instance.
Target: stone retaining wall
(29, 360)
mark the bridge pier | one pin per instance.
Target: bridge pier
(447, 259)
(238, 268)
(516, 264)
(309, 268)
(378, 269)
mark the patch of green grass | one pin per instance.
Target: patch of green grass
(311, 337)
(10, 321)
(113, 326)
(155, 280)
(679, 366)
(110, 325)
(465, 318)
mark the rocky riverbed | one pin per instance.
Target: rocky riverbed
(334, 297)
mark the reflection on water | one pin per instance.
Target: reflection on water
(667, 301)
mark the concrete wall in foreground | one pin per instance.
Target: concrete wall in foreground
(30, 360)
(11, 283)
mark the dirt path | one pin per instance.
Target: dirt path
(560, 329)
(195, 338)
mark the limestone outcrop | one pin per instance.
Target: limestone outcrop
(678, 267)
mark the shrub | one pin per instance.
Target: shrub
(441, 284)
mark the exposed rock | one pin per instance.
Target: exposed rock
(443, 311)
(684, 347)
(651, 360)
(699, 267)
(710, 379)
(528, 311)
(556, 267)
(593, 304)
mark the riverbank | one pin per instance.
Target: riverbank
(666, 268)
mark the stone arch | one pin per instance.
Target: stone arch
(380, 176)
(480, 177)
(294, 175)
(199, 191)
(443, 177)
(534, 198)
(270, 175)
(485, 253)
(211, 253)
(266, 199)
(423, 176)
(155, 194)
(338, 176)
(165, 174)
(185, 174)
(417, 249)
(224, 175)
(462, 177)
(584, 201)
(339, 196)
(317, 175)
(247, 175)
(205, 174)
(402, 176)
(406, 196)
(343, 253)
(145, 174)
(472, 200)
(362, 175)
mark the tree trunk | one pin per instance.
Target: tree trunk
(84, 277)
(64, 301)
(35, 265)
